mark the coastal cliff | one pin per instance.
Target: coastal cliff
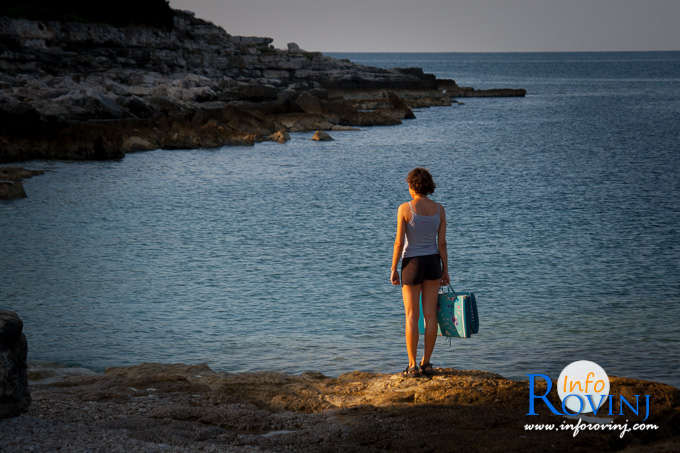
(86, 90)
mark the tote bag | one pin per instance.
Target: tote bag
(457, 314)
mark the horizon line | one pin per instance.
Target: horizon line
(496, 51)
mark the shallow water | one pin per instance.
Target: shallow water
(563, 211)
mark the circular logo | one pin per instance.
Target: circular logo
(583, 386)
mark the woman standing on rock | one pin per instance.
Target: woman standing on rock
(421, 245)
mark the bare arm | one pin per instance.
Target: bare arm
(398, 245)
(443, 253)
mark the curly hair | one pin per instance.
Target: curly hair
(420, 180)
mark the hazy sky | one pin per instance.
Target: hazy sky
(450, 25)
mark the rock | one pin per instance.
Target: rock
(337, 127)
(280, 136)
(309, 103)
(293, 47)
(137, 106)
(398, 103)
(377, 118)
(11, 186)
(469, 92)
(14, 393)
(257, 92)
(301, 122)
(18, 173)
(135, 143)
(10, 190)
(276, 74)
(341, 111)
(321, 136)
(414, 71)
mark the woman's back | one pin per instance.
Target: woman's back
(422, 228)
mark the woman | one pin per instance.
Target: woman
(421, 245)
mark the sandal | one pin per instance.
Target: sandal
(413, 371)
(426, 369)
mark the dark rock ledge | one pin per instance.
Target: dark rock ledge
(74, 90)
(14, 394)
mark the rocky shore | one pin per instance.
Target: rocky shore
(75, 90)
(175, 407)
(182, 408)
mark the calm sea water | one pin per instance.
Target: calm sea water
(563, 210)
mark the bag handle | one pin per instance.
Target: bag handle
(451, 290)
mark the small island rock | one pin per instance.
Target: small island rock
(321, 136)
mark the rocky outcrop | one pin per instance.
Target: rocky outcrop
(191, 407)
(14, 393)
(321, 136)
(450, 88)
(467, 92)
(11, 186)
(96, 91)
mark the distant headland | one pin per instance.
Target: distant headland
(84, 82)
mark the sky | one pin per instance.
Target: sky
(450, 25)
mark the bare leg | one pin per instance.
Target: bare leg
(430, 289)
(411, 295)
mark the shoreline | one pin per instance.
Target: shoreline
(54, 371)
(179, 407)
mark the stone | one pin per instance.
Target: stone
(309, 103)
(18, 173)
(15, 396)
(293, 47)
(280, 136)
(10, 190)
(276, 74)
(135, 143)
(321, 136)
(300, 122)
(137, 106)
(469, 92)
(398, 103)
(257, 92)
(337, 127)
(11, 186)
(341, 111)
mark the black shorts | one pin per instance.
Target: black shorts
(415, 269)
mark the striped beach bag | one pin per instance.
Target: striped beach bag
(457, 314)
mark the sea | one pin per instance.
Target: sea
(563, 217)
